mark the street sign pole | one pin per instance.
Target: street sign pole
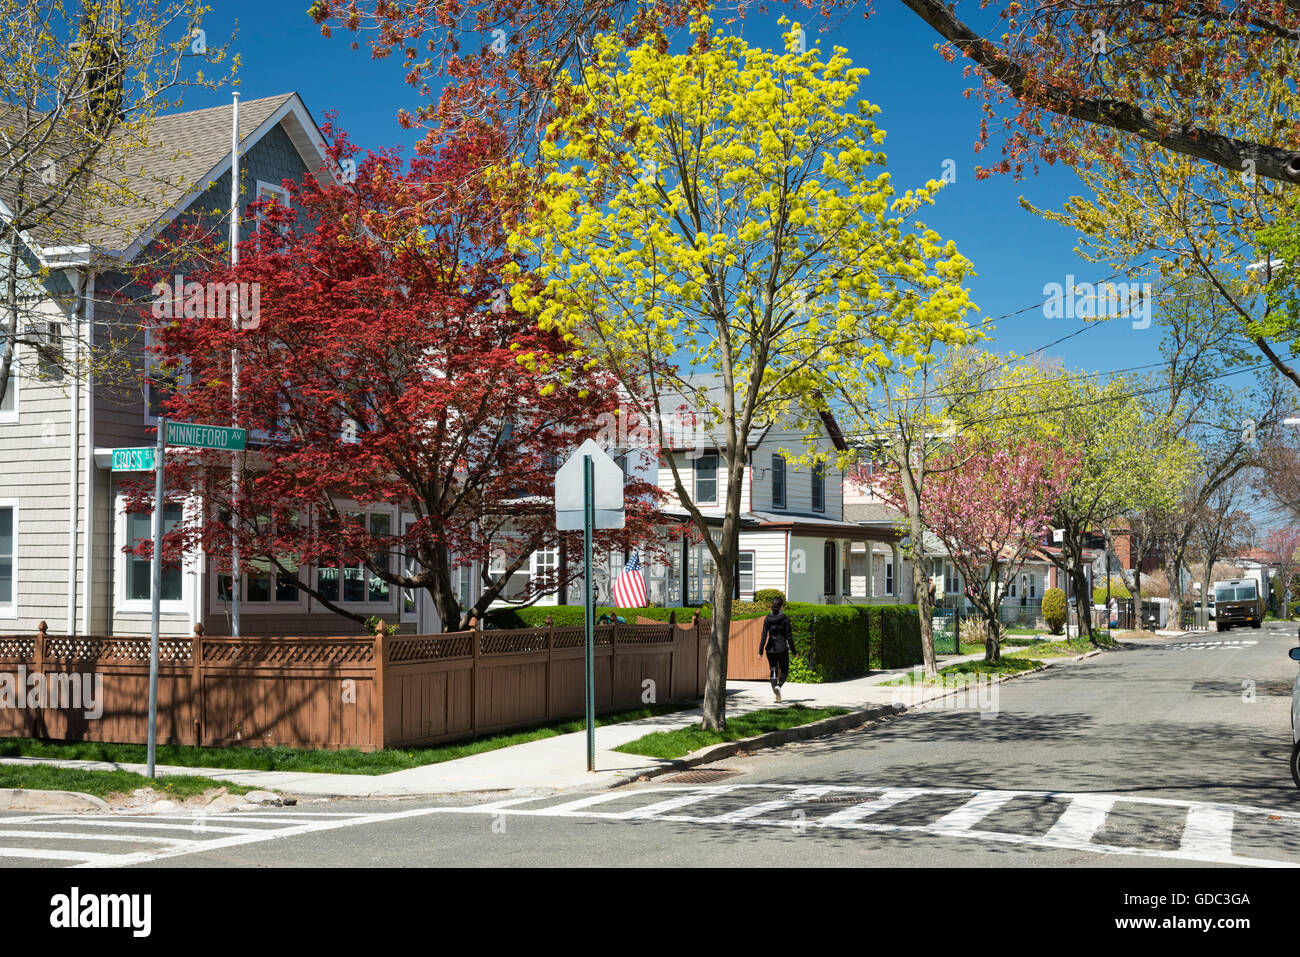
(589, 615)
(155, 578)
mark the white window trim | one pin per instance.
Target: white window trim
(179, 606)
(394, 591)
(407, 520)
(11, 415)
(10, 609)
(281, 194)
(149, 362)
(695, 479)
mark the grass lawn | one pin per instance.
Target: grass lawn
(962, 673)
(674, 744)
(1052, 649)
(319, 760)
(43, 777)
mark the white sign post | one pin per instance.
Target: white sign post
(589, 495)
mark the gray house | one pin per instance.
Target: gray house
(62, 521)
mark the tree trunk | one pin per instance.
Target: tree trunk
(715, 666)
(1205, 598)
(1137, 597)
(921, 586)
(1082, 600)
(992, 638)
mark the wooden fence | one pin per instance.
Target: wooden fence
(345, 692)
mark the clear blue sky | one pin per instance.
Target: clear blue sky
(927, 120)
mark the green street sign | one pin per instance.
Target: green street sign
(206, 436)
(133, 460)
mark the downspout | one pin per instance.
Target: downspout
(88, 540)
(76, 280)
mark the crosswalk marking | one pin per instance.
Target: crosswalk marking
(1085, 816)
(1207, 831)
(867, 808)
(973, 811)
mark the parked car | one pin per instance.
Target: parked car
(1295, 723)
(1237, 602)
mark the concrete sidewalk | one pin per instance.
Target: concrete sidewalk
(551, 763)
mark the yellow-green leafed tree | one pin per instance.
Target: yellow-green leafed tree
(724, 211)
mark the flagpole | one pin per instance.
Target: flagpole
(236, 578)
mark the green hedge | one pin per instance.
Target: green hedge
(838, 642)
(835, 642)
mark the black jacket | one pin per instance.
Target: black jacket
(778, 636)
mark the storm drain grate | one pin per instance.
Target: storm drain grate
(839, 799)
(699, 777)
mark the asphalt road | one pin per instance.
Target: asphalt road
(1161, 755)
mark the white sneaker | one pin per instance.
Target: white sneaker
(777, 692)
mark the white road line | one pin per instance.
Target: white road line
(574, 807)
(1084, 817)
(973, 811)
(1208, 831)
(858, 811)
(85, 858)
(765, 807)
(672, 804)
(85, 836)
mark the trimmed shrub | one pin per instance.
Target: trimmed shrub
(1054, 609)
(838, 642)
(568, 616)
(764, 596)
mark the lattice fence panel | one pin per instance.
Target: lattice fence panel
(17, 648)
(431, 648)
(302, 651)
(512, 642)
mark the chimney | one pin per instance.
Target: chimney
(96, 97)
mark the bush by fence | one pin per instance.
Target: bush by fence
(838, 642)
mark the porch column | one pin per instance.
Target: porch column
(871, 569)
(898, 575)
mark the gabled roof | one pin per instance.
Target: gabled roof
(184, 153)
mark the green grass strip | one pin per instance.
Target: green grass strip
(314, 760)
(962, 673)
(675, 743)
(45, 777)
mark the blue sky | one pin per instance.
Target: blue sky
(924, 113)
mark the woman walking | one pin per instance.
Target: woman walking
(778, 639)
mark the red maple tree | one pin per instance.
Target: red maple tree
(383, 369)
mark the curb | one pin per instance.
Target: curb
(29, 799)
(769, 739)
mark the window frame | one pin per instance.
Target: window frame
(740, 571)
(123, 604)
(9, 609)
(262, 607)
(778, 468)
(817, 488)
(11, 414)
(392, 602)
(695, 476)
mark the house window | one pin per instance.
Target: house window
(706, 480)
(951, 579)
(699, 575)
(517, 587)
(49, 352)
(664, 578)
(889, 576)
(819, 489)
(1033, 586)
(1011, 588)
(9, 404)
(828, 577)
(356, 584)
(269, 192)
(745, 573)
(546, 568)
(156, 393)
(139, 571)
(264, 582)
(8, 559)
(778, 481)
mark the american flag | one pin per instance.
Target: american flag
(629, 590)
